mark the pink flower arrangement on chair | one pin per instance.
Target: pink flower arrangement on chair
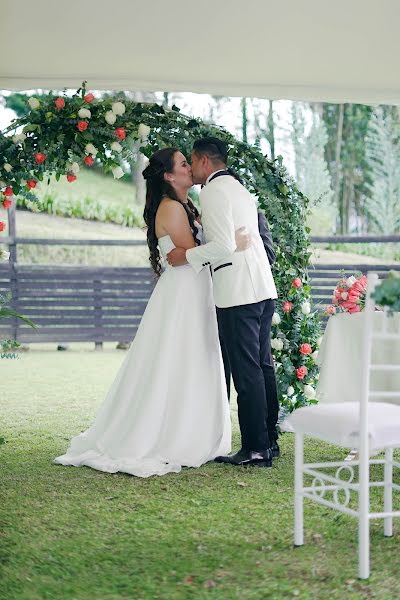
(349, 296)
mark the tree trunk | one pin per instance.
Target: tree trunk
(339, 200)
(244, 119)
(271, 129)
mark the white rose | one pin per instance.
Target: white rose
(143, 131)
(33, 103)
(110, 117)
(117, 172)
(319, 340)
(90, 149)
(4, 255)
(7, 167)
(84, 113)
(344, 295)
(277, 344)
(2, 184)
(19, 137)
(350, 281)
(276, 319)
(118, 108)
(22, 182)
(116, 147)
(290, 391)
(314, 355)
(309, 391)
(306, 308)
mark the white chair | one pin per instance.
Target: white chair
(366, 425)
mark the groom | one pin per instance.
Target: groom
(244, 293)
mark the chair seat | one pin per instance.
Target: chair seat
(338, 423)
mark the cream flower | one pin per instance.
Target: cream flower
(110, 117)
(84, 113)
(276, 319)
(4, 255)
(19, 137)
(143, 131)
(34, 103)
(350, 281)
(116, 147)
(73, 168)
(314, 355)
(290, 391)
(90, 149)
(118, 108)
(7, 167)
(306, 308)
(309, 392)
(277, 344)
(117, 172)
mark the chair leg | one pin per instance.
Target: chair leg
(298, 491)
(363, 515)
(388, 492)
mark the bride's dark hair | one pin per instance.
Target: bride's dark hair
(157, 188)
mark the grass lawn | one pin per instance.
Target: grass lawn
(215, 532)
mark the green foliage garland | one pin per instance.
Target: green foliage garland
(53, 128)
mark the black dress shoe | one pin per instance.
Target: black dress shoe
(275, 450)
(247, 458)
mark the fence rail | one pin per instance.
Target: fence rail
(97, 304)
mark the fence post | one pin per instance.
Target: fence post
(13, 264)
(98, 345)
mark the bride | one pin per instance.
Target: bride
(167, 407)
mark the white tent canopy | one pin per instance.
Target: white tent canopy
(315, 50)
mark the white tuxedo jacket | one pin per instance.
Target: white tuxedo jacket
(238, 277)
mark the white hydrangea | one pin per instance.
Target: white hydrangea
(90, 149)
(309, 392)
(277, 344)
(110, 117)
(116, 147)
(143, 131)
(118, 108)
(34, 103)
(306, 308)
(84, 113)
(290, 391)
(7, 167)
(276, 319)
(117, 172)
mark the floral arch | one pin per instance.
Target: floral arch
(62, 134)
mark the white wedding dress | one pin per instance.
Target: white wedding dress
(167, 407)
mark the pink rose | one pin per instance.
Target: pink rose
(7, 203)
(301, 372)
(71, 177)
(297, 282)
(60, 103)
(89, 98)
(31, 183)
(120, 133)
(356, 309)
(330, 310)
(88, 160)
(8, 191)
(348, 305)
(287, 307)
(82, 125)
(2, 225)
(305, 349)
(40, 157)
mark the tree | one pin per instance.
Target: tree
(382, 206)
(309, 138)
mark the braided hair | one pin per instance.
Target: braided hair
(157, 188)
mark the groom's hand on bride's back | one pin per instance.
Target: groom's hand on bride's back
(177, 257)
(242, 239)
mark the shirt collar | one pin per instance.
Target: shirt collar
(212, 174)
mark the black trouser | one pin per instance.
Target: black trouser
(245, 333)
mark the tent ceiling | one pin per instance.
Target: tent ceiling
(316, 50)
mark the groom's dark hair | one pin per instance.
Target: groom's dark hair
(214, 148)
